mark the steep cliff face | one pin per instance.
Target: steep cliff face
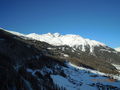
(30, 64)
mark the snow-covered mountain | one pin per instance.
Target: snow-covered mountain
(69, 39)
(61, 64)
(57, 39)
(117, 49)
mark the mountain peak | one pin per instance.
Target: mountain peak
(57, 34)
(52, 34)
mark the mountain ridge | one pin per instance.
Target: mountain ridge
(57, 39)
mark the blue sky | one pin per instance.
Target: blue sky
(94, 19)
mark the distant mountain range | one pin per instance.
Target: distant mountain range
(56, 62)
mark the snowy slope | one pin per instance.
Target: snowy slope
(79, 78)
(16, 33)
(117, 49)
(71, 40)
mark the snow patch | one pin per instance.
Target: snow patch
(63, 82)
(49, 48)
(82, 68)
(65, 55)
(105, 50)
(43, 71)
(117, 49)
(117, 67)
(108, 51)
